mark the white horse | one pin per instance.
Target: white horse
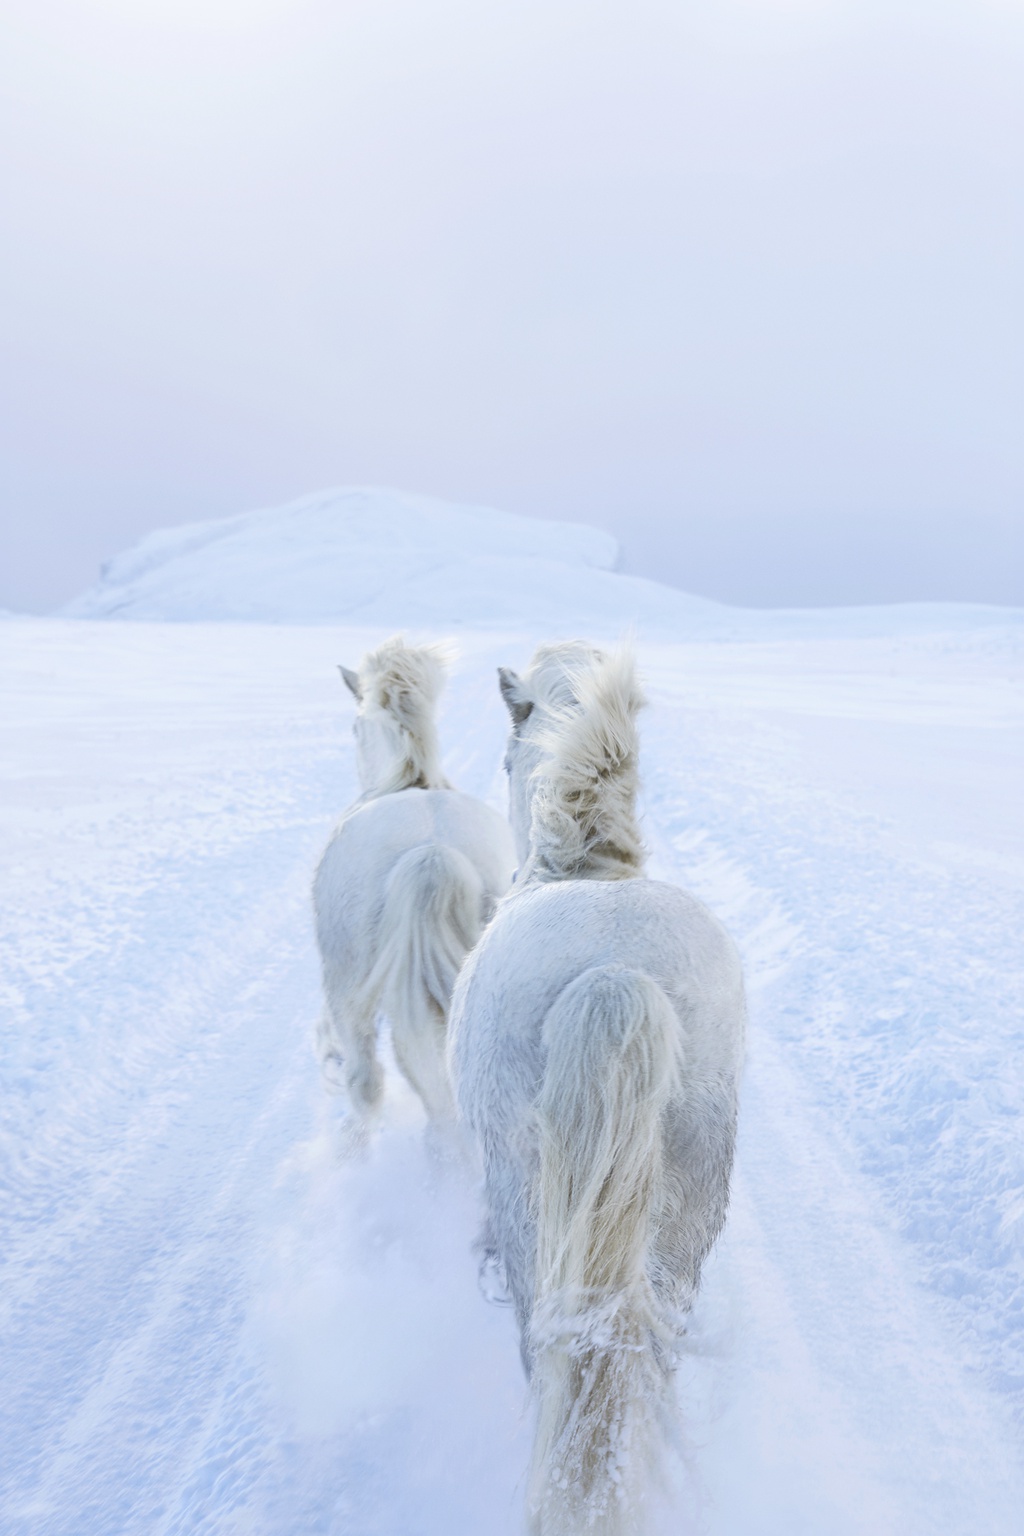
(408, 880)
(596, 1039)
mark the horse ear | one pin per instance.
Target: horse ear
(516, 699)
(351, 681)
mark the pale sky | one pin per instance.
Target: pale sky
(740, 280)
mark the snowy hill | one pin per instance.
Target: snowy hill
(383, 558)
(378, 557)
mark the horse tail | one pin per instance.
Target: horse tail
(431, 918)
(599, 1340)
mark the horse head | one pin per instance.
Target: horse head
(396, 690)
(572, 763)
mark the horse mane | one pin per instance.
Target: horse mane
(405, 682)
(584, 824)
(554, 672)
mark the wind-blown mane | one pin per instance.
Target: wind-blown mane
(554, 674)
(405, 682)
(584, 824)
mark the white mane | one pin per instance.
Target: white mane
(404, 683)
(553, 675)
(583, 822)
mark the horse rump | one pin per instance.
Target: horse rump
(431, 918)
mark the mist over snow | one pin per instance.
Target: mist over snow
(736, 280)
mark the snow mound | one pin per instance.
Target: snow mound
(373, 556)
(337, 554)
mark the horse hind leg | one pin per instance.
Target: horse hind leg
(347, 1047)
(430, 921)
(699, 1142)
(418, 1040)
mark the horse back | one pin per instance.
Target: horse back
(370, 839)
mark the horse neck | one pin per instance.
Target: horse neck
(582, 831)
(583, 821)
(582, 854)
(415, 765)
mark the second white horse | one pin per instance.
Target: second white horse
(408, 880)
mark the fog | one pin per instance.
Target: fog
(739, 280)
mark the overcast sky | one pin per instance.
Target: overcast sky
(740, 280)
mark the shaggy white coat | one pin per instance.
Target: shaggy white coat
(403, 890)
(596, 1039)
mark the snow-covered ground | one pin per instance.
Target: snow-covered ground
(212, 1323)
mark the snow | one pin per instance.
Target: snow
(212, 1322)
